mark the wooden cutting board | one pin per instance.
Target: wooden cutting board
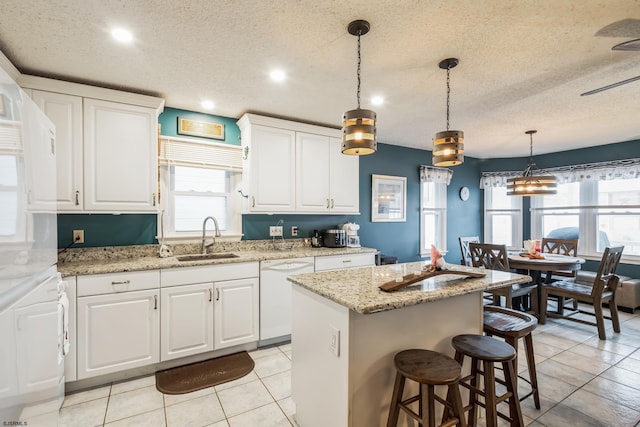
(410, 279)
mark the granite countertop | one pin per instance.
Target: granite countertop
(114, 259)
(357, 289)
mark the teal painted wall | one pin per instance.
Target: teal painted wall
(107, 229)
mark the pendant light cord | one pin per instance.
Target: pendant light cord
(358, 70)
(448, 95)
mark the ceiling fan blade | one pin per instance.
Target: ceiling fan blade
(611, 86)
(631, 45)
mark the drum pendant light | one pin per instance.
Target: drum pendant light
(540, 184)
(359, 125)
(448, 146)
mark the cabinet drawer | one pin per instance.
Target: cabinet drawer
(208, 273)
(336, 262)
(98, 284)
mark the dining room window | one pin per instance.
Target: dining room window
(433, 208)
(599, 212)
(502, 218)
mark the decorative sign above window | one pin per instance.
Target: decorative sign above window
(200, 128)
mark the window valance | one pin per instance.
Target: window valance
(601, 171)
(184, 152)
(435, 174)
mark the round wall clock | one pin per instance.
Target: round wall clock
(464, 193)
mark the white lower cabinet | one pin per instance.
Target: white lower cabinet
(117, 331)
(338, 262)
(236, 312)
(186, 323)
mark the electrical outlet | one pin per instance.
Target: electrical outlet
(78, 236)
(294, 231)
(275, 231)
(334, 341)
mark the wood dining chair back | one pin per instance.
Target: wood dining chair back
(566, 247)
(494, 257)
(603, 291)
(464, 248)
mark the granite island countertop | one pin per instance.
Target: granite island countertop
(357, 289)
(116, 259)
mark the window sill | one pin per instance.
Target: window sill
(198, 238)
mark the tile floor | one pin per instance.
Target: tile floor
(583, 382)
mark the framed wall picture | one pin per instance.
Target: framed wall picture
(388, 198)
(200, 128)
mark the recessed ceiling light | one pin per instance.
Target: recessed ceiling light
(122, 35)
(278, 76)
(377, 100)
(208, 105)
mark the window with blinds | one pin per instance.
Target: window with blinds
(199, 179)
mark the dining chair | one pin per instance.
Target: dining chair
(464, 248)
(494, 257)
(567, 247)
(603, 291)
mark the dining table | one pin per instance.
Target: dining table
(543, 262)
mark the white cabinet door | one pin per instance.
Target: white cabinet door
(186, 321)
(272, 170)
(65, 111)
(236, 312)
(344, 176)
(312, 173)
(70, 360)
(117, 332)
(120, 157)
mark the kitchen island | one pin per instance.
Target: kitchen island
(346, 332)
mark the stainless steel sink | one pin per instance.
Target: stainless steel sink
(200, 257)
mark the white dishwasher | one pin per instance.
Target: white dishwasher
(275, 297)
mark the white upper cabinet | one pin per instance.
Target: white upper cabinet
(107, 149)
(270, 169)
(327, 180)
(121, 153)
(292, 167)
(65, 111)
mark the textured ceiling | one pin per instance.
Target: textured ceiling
(523, 64)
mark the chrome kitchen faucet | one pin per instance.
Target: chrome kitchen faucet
(204, 234)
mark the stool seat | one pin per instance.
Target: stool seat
(483, 347)
(508, 322)
(427, 367)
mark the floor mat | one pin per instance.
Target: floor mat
(199, 375)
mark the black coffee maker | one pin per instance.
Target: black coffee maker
(316, 240)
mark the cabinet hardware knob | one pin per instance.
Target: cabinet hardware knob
(155, 302)
(328, 204)
(77, 197)
(123, 282)
(217, 294)
(253, 201)
(331, 203)
(154, 198)
(210, 295)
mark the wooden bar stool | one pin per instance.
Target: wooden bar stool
(512, 325)
(429, 369)
(486, 351)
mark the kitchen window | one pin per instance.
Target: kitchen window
(199, 180)
(433, 208)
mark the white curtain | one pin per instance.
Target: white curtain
(435, 174)
(602, 171)
(183, 152)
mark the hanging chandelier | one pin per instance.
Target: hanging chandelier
(448, 146)
(359, 125)
(529, 184)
